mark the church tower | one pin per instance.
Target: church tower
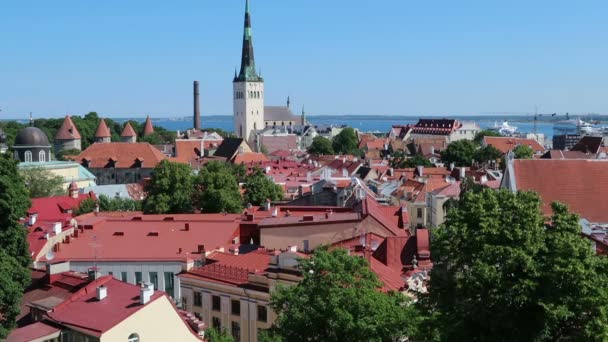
(248, 90)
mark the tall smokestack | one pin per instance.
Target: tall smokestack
(197, 108)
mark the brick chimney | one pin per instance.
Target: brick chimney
(197, 108)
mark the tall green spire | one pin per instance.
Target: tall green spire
(247, 73)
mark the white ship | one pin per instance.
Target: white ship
(504, 129)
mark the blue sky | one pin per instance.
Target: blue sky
(133, 58)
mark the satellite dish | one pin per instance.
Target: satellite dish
(375, 245)
(362, 240)
(50, 255)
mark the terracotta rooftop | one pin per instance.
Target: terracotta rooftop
(148, 128)
(33, 332)
(124, 155)
(581, 184)
(68, 130)
(233, 269)
(55, 208)
(149, 237)
(128, 131)
(102, 130)
(506, 144)
(84, 311)
(250, 157)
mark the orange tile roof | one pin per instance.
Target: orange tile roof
(250, 157)
(148, 128)
(102, 130)
(579, 183)
(128, 131)
(125, 155)
(68, 130)
(506, 144)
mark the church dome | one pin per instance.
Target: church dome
(31, 136)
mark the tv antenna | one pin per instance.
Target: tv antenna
(94, 244)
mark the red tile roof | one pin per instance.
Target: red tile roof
(284, 142)
(128, 131)
(102, 130)
(506, 144)
(159, 237)
(84, 311)
(32, 332)
(581, 184)
(250, 157)
(233, 269)
(125, 155)
(148, 128)
(52, 209)
(188, 149)
(68, 130)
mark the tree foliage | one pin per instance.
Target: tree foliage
(417, 161)
(485, 133)
(258, 188)
(461, 152)
(215, 335)
(42, 182)
(108, 204)
(523, 152)
(346, 142)
(170, 189)
(321, 146)
(487, 153)
(501, 274)
(339, 299)
(217, 189)
(14, 251)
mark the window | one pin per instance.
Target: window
(169, 283)
(215, 303)
(236, 331)
(138, 278)
(262, 313)
(236, 307)
(28, 156)
(198, 299)
(41, 156)
(154, 279)
(216, 323)
(419, 213)
(111, 273)
(123, 276)
(133, 338)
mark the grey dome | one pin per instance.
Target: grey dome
(31, 136)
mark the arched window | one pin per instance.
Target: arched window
(41, 156)
(28, 156)
(133, 338)
(255, 126)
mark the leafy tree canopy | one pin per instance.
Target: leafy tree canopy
(42, 182)
(321, 146)
(523, 152)
(108, 204)
(461, 152)
(170, 190)
(485, 133)
(487, 154)
(417, 161)
(13, 280)
(217, 189)
(258, 188)
(502, 274)
(346, 142)
(339, 299)
(215, 335)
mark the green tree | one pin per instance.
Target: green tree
(339, 299)
(14, 251)
(485, 133)
(86, 206)
(42, 182)
(170, 190)
(502, 274)
(461, 152)
(487, 154)
(258, 188)
(346, 142)
(61, 155)
(217, 189)
(398, 159)
(417, 161)
(320, 146)
(523, 152)
(214, 335)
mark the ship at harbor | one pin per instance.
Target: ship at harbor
(503, 129)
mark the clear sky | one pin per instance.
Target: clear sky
(132, 58)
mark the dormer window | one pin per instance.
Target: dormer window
(139, 162)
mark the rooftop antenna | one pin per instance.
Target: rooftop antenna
(95, 245)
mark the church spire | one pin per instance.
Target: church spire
(303, 117)
(247, 73)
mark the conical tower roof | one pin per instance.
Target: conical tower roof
(148, 128)
(102, 130)
(68, 130)
(128, 131)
